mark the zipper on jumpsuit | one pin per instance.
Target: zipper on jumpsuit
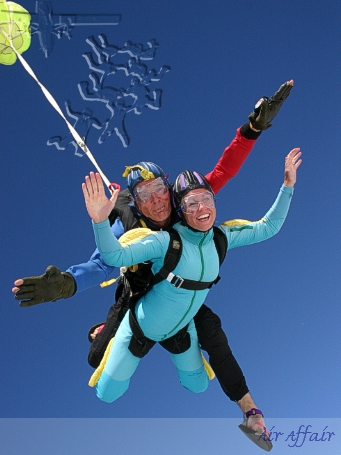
(195, 292)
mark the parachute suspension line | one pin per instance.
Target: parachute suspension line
(53, 102)
(8, 36)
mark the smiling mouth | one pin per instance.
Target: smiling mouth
(203, 217)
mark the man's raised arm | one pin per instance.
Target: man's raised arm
(236, 153)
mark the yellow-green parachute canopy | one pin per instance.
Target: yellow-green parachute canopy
(15, 26)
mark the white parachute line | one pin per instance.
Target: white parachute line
(54, 103)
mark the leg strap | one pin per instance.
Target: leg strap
(178, 343)
(139, 344)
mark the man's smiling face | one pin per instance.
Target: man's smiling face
(158, 208)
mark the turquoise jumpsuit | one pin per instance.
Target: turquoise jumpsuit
(164, 310)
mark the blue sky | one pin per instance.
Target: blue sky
(279, 300)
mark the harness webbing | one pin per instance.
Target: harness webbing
(180, 342)
(173, 256)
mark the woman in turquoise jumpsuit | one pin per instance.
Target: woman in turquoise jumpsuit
(166, 309)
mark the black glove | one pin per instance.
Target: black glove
(266, 108)
(51, 286)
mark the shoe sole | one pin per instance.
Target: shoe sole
(256, 438)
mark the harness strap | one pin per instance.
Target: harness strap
(178, 343)
(221, 243)
(139, 344)
(190, 285)
(173, 256)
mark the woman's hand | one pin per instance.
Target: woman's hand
(97, 204)
(292, 162)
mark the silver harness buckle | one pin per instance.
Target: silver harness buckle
(175, 280)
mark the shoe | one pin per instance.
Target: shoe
(98, 326)
(261, 439)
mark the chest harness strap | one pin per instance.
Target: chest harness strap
(173, 256)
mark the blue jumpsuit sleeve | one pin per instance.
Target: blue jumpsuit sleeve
(240, 232)
(95, 271)
(151, 248)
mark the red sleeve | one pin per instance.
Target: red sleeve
(230, 162)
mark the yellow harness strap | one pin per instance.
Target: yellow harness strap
(108, 283)
(99, 370)
(134, 235)
(129, 237)
(208, 368)
(97, 373)
(239, 222)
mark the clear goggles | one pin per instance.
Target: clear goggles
(191, 204)
(144, 192)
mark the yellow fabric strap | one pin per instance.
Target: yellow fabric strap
(145, 174)
(238, 222)
(134, 235)
(129, 237)
(209, 371)
(97, 373)
(109, 282)
(143, 224)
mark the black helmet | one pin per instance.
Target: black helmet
(185, 182)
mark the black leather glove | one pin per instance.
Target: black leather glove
(49, 287)
(266, 108)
